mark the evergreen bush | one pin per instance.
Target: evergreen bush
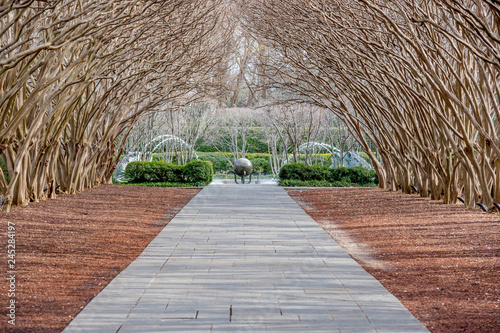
(314, 183)
(158, 172)
(356, 175)
(198, 171)
(135, 172)
(292, 171)
(298, 174)
(300, 171)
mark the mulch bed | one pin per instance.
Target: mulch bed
(70, 248)
(441, 261)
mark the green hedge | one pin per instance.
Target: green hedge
(155, 171)
(355, 175)
(198, 171)
(319, 174)
(162, 172)
(304, 172)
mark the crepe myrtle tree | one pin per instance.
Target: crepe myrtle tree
(418, 79)
(76, 75)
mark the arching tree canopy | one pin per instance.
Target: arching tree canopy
(416, 78)
(76, 75)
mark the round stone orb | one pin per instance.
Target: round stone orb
(241, 165)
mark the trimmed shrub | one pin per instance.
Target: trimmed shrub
(300, 171)
(360, 175)
(198, 171)
(339, 174)
(168, 172)
(315, 172)
(135, 172)
(298, 174)
(151, 172)
(356, 175)
(292, 171)
(168, 184)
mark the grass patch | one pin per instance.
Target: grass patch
(320, 183)
(165, 184)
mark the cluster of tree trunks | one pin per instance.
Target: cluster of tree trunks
(417, 78)
(76, 75)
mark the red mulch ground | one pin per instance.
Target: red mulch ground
(69, 248)
(441, 261)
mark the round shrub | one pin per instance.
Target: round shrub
(198, 171)
(298, 174)
(135, 172)
(339, 174)
(360, 175)
(315, 172)
(292, 171)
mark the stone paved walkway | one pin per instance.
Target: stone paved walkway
(244, 258)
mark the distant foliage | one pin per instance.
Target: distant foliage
(3, 165)
(299, 174)
(222, 161)
(255, 143)
(365, 157)
(162, 172)
(259, 163)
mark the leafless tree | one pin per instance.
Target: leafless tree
(76, 76)
(418, 79)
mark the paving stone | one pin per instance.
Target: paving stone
(244, 259)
